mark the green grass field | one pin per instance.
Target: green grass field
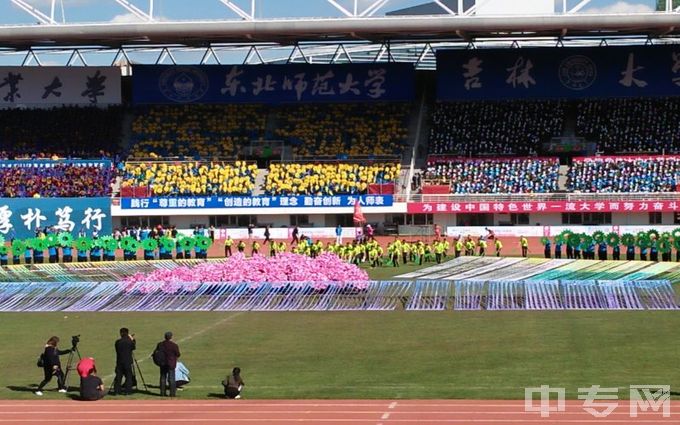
(385, 355)
(388, 355)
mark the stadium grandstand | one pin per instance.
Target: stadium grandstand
(262, 156)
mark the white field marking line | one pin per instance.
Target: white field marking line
(191, 336)
(385, 415)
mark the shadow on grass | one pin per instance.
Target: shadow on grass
(216, 395)
(27, 389)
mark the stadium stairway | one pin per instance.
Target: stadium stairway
(562, 179)
(126, 129)
(415, 155)
(260, 180)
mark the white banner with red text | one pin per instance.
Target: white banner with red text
(550, 231)
(541, 207)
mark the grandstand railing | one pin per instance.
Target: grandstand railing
(49, 163)
(540, 197)
(180, 160)
(346, 160)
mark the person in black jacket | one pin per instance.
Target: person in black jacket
(124, 362)
(171, 352)
(52, 365)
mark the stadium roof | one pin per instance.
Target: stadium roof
(286, 31)
(433, 8)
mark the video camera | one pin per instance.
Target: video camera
(75, 339)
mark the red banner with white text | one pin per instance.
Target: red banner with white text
(541, 207)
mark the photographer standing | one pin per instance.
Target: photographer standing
(124, 362)
(52, 365)
(165, 356)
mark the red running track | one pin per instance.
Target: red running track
(259, 412)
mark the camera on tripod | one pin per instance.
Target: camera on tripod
(75, 339)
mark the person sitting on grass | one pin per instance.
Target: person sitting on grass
(91, 387)
(233, 384)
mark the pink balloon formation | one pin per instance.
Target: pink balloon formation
(320, 272)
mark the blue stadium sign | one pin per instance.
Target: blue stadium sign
(626, 71)
(294, 83)
(21, 217)
(204, 202)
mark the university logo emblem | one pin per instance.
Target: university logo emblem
(577, 72)
(183, 84)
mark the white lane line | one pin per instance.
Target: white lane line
(420, 420)
(226, 410)
(386, 415)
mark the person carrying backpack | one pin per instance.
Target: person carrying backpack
(165, 357)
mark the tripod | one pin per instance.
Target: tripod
(146, 388)
(135, 370)
(69, 363)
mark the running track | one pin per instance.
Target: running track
(260, 412)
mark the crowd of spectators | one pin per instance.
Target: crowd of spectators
(327, 179)
(519, 175)
(195, 131)
(625, 174)
(631, 125)
(191, 178)
(60, 180)
(350, 129)
(494, 128)
(64, 132)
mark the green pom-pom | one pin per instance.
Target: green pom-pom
(203, 242)
(676, 233)
(653, 233)
(628, 239)
(129, 244)
(598, 236)
(3, 250)
(643, 240)
(187, 243)
(167, 243)
(676, 244)
(52, 240)
(39, 244)
(574, 240)
(149, 244)
(665, 235)
(83, 244)
(664, 245)
(545, 240)
(559, 239)
(65, 239)
(18, 247)
(613, 239)
(109, 243)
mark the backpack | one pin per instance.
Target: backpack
(41, 360)
(158, 356)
